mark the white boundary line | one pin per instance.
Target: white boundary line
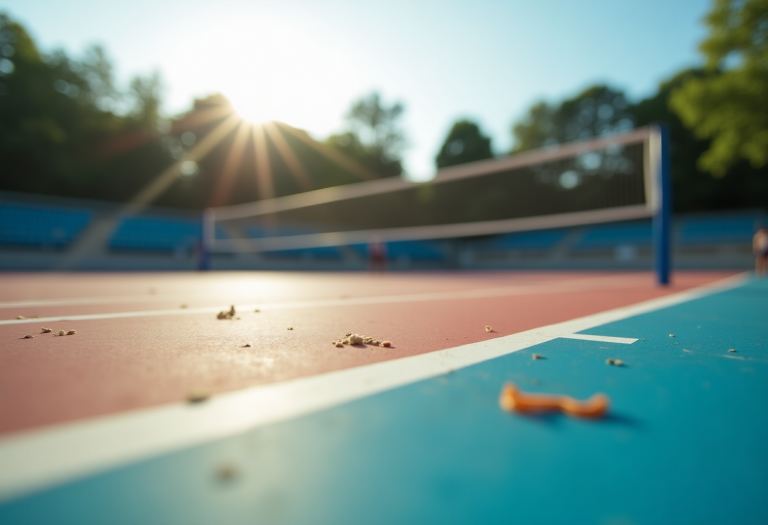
(38, 459)
(601, 338)
(574, 285)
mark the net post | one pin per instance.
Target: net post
(206, 238)
(662, 218)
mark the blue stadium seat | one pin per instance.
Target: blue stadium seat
(717, 230)
(154, 233)
(413, 250)
(535, 240)
(612, 235)
(39, 225)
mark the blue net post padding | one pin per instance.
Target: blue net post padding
(662, 219)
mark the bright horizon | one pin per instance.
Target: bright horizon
(304, 63)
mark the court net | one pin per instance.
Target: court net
(594, 181)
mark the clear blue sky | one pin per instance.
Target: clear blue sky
(304, 62)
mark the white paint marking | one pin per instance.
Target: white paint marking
(578, 285)
(601, 338)
(39, 459)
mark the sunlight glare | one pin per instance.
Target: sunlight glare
(248, 109)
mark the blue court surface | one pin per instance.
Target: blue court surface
(686, 441)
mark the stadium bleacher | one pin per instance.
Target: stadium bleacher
(639, 233)
(714, 230)
(155, 233)
(414, 251)
(535, 240)
(33, 225)
(27, 224)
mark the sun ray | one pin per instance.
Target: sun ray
(297, 169)
(204, 116)
(330, 154)
(170, 174)
(264, 180)
(226, 178)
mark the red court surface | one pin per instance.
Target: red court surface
(158, 351)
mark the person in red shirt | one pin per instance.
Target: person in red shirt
(377, 254)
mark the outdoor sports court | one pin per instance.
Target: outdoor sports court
(96, 427)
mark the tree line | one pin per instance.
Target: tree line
(67, 128)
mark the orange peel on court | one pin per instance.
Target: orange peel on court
(514, 399)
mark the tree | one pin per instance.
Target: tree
(730, 105)
(65, 128)
(373, 138)
(693, 189)
(595, 112)
(464, 143)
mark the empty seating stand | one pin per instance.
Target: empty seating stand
(524, 241)
(611, 236)
(155, 233)
(408, 251)
(718, 230)
(35, 225)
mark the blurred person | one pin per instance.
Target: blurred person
(377, 254)
(760, 247)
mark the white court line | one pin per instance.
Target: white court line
(601, 338)
(38, 459)
(562, 286)
(197, 295)
(91, 301)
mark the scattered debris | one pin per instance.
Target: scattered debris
(358, 339)
(198, 396)
(28, 336)
(614, 362)
(671, 335)
(227, 315)
(62, 332)
(512, 398)
(290, 328)
(732, 350)
(45, 330)
(488, 329)
(71, 332)
(536, 357)
(257, 310)
(20, 317)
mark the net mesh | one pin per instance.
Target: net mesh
(594, 181)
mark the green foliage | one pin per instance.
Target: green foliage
(374, 137)
(60, 130)
(595, 112)
(730, 105)
(464, 143)
(692, 188)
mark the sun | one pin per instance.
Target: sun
(248, 110)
